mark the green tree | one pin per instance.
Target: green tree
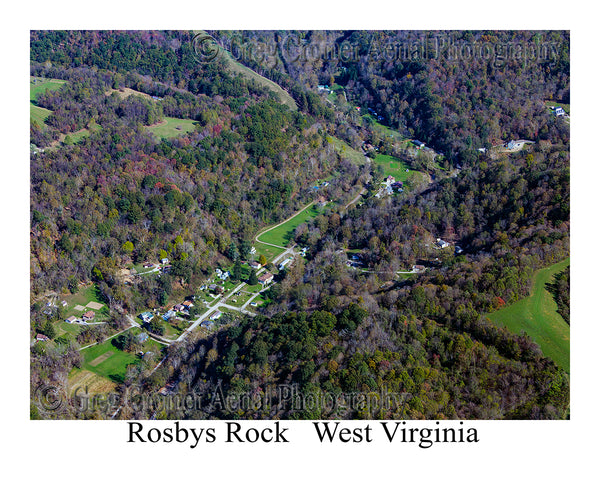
(73, 284)
(252, 278)
(48, 329)
(127, 247)
(236, 273)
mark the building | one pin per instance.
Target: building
(559, 111)
(88, 316)
(418, 268)
(71, 319)
(253, 251)
(441, 243)
(187, 304)
(265, 279)
(208, 324)
(255, 264)
(167, 316)
(458, 250)
(216, 315)
(41, 337)
(283, 264)
(146, 316)
(418, 144)
(164, 261)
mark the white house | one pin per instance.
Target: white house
(559, 111)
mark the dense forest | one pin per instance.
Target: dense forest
(121, 196)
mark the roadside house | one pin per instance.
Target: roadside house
(265, 279)
(88, 316)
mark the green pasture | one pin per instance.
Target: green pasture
(537, 316)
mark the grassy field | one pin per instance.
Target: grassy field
(267, 250)
(37, 86)
(107, 361)
(346, 151)
(171, 127)
(38, 114)
(239, 300)
(84, 296)
(536, 315)
(394, 166)
(282, 234)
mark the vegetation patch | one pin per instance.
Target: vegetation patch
(537, 316)
(269, 251)
(282, 234)
(346, 151)
(38, 86)
(395, 167)
(171, 127)
(108, 361)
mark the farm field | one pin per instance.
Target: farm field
(282, 234)
(84, 381)
(38, 114)
(171, 127)
(537, 316)
(107, 361)
(394, 166)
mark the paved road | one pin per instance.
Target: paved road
(209, 312)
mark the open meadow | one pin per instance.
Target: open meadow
(537, 316)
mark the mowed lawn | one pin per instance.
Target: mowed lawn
(282, 234)
(537, 316)
(107, 361)
(171, 127)
(394, 166)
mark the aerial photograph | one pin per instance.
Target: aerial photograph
(299, 225)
